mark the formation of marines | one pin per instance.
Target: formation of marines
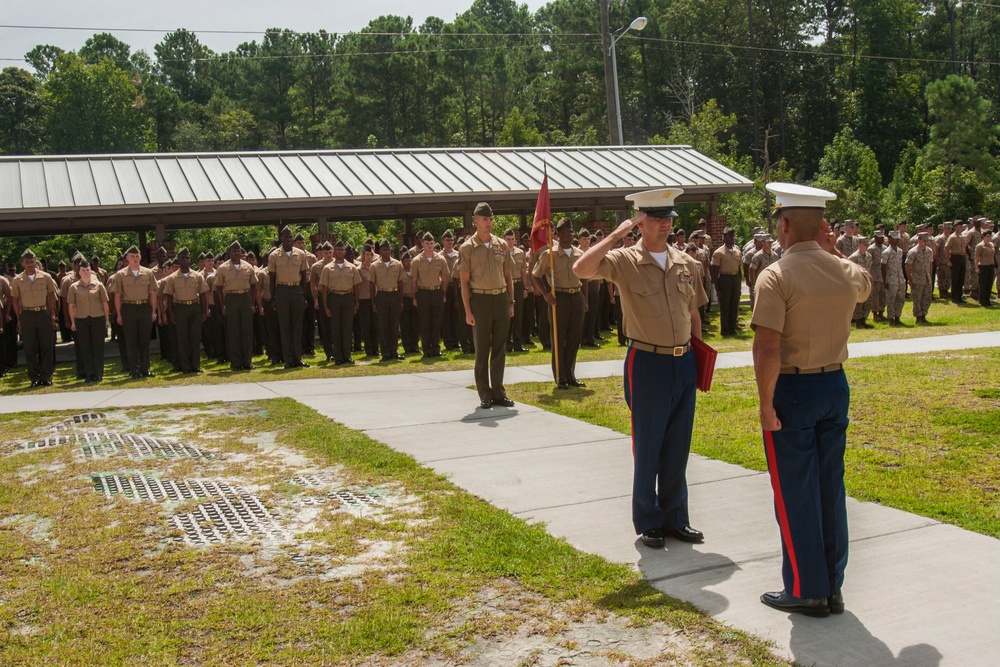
(233, 306)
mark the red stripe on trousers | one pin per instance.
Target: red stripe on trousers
(631, 397)
(779, 503)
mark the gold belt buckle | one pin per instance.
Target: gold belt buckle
(679, 351)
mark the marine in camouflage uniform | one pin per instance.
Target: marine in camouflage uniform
(941, 261)
(895, 281)
(862, 258)
(919, 270)
(877, 295)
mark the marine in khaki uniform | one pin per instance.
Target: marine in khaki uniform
(488, 296)
(288, 268)
(366, 318)
(89, 318)
(409, 320)
(515, 337)
(186, 294)
(919, 273)
(272, 335)
(324, 257)
(805, 398)
(984, 261)
(725, 269)
(339, 287)
(895, 281)
(34, 298)
(6, 328)
(388, 277)
(862, 258)
(309, 314)
(430, 279)
(453, 295)
(570, 302)
(955, 250)
(661, 294)
(135, 301)
(236, 292)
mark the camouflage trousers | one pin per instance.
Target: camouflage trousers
(943, 279)
(971, 280)
(895, 295)
(920, 293)
(877, 298)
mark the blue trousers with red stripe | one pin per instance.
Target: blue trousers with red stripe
(659, 390)
(805, 460)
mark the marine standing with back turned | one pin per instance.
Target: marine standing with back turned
(801, 325)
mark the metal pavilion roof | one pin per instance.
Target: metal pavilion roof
(90, 192)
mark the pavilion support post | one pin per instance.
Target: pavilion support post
(143, 245)
(322, 225)
(161, 234)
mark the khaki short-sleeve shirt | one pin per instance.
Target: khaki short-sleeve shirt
(387, 278)
(365, 288)
(985, 254)
(288, 268)
(33, 293)
(656, 303)
(727, 259)
(185, 286)
(88, 299)
(520, 261)
(486, 264)
(809, 296)
(340, 278)
(235, 278)
(563, 263)
(955, 245)
(264, 283)
(66, 283)
(430, 272)
(135, 287)
(316, 271)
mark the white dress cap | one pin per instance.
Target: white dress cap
(656, 203)
(793, 195)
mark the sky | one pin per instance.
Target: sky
(251, 16)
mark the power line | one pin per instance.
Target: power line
(295, 32)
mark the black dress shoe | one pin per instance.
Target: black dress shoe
(291, 365)
(686, 534)
(653, 538)
(148, 374)
(836, 602)
(486, 404)
(506, 402)
(562, 385)
(576, 383)
(302, 364)
(782, 601)
(46, 383)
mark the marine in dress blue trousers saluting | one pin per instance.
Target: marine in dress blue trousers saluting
(801, 323)
(661, 293)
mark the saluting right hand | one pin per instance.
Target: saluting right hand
(626, 227)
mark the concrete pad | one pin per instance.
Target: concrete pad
(78, 400)
(908, 603)
(526, 479)
(198, 393)
(390, 409)
(440, 442)
(351, 385)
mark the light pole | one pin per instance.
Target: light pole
(614, 98)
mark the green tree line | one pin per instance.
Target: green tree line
(893, 104)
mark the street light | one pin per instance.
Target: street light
(638, 24)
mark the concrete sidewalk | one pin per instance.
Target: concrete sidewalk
(918, 592)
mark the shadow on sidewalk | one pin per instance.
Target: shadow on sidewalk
(699, 569)
(844, 640)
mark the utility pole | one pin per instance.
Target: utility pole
(609, 74)
(753, 80)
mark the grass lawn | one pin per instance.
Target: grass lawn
(946, 318)
(427, 575)
(924, 434)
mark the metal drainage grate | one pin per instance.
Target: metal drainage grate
(316, 481)
(137, 447)
(146, 487)
(85, 417)
(44, 443)
(350, 500)
(242, 515)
